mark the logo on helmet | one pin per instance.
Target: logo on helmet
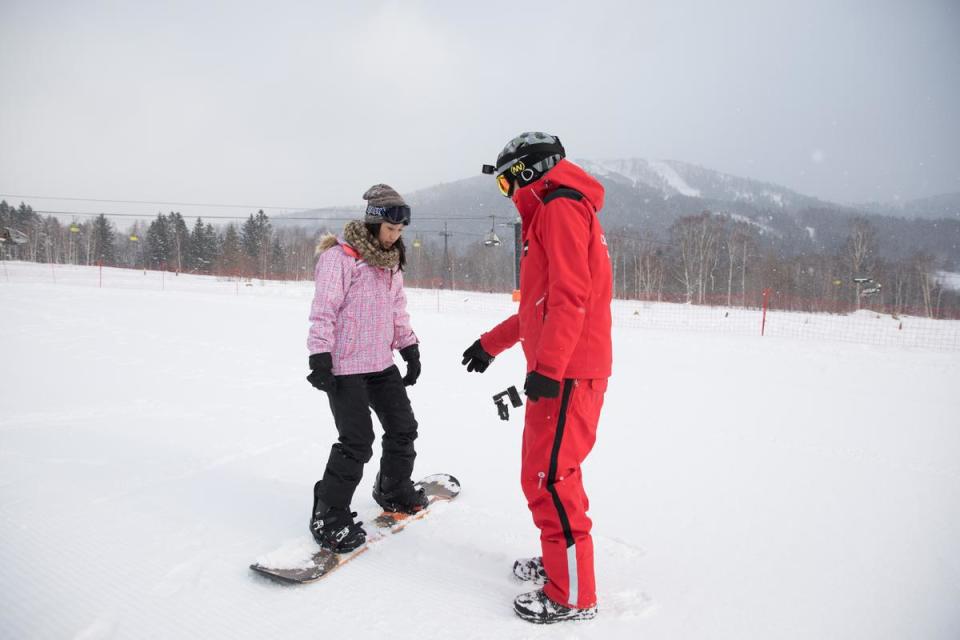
(517, 167)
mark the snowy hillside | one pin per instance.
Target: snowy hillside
(157, 436)
(646, 197)
(671, 178)
(658, 175)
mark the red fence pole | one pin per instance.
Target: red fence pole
(763, 323)
(100, 262)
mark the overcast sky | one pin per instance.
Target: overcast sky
(307, 104)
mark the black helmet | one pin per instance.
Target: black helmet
(525, 159)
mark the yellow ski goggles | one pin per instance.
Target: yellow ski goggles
(505, 181)
(505, 184)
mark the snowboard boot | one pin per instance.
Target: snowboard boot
(537, 608)
(334, 529)
(399, 497)
(530, 570)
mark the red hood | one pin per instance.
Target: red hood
(565, 175)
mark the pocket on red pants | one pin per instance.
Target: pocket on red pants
(597, 384)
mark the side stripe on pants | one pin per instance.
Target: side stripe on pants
(551, 480)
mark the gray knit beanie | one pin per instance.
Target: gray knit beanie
(380, 197)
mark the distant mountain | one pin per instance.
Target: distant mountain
(642, 195)
(671, 178)
(942, 206)
(332, 218)
(646, 197)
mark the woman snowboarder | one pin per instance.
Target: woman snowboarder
(358, 318)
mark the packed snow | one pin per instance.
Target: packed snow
(658, 174)
(157, 436)
(673, 179)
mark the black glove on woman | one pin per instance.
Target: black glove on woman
(540, 386)
(411, 355)
(321, 372)
(476, 358)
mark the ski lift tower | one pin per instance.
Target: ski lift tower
(516, 256)
(867, 287)
(447, 265)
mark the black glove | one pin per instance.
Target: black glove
(540, 386)
(476, 358)
(321, 372)
(411, 355)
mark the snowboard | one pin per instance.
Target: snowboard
(315, 563)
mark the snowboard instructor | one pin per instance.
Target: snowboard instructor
(563, 324)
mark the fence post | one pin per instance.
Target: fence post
(763, 323)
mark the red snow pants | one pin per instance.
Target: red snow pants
(558, 433)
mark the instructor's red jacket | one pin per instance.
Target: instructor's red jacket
(565, 280)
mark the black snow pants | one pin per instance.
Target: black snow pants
(350, 403)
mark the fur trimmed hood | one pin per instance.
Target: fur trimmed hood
(326, 241)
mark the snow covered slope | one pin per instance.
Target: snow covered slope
(671, 178)
(157, 435)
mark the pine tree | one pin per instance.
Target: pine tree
(159, 242)
(196, 258)
(104, 248)
(203, 247)
(255, 236)
(213, 246)
(231, 252)
(24, 217)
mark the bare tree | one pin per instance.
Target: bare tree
(923, 266)
(696, 239)
(650, 267)
(738, 239)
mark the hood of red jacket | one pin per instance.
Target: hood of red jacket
(566, 175)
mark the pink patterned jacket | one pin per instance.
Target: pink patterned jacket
(359, 312)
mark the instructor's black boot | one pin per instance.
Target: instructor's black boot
(537, 608)
(399, 497)
(335, 529)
